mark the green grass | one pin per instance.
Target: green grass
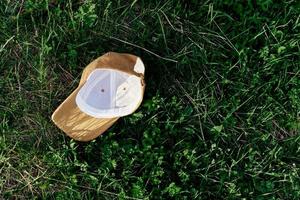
(220, 116)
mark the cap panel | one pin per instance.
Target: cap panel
(111, 60)
(104, 96)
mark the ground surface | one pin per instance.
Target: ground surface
(220, 117)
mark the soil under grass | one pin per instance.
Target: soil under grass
(221, 112)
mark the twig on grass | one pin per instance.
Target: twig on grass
(140, 47)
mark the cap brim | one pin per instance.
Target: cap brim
(78, 125)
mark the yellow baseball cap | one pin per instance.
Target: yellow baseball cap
(112, 86)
